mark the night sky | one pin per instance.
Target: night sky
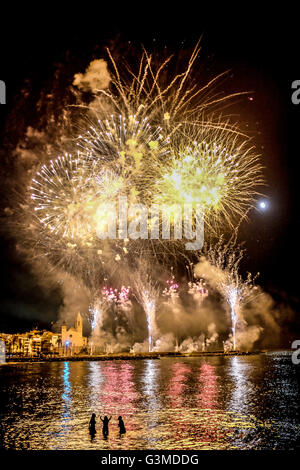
(261, 49)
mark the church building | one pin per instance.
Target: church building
(72, 338)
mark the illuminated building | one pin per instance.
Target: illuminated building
(72, 339)
(32, 344)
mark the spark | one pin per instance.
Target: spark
(226, 258)
(213, 168)
(155, 137)
(146, 292)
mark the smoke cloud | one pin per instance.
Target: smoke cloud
(95, 78)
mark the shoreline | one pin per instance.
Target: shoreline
(131, 356)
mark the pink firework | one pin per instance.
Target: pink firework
(116, 296)
(198, 289)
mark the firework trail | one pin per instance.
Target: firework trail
(108, 302)
(147, 293)
(170, 294)
(97, 312)
(225, 259)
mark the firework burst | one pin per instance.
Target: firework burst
(152, 137)
(64, 196)
(212, 166)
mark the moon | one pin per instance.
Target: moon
(263, 205)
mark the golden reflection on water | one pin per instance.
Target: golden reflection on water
(172, 403)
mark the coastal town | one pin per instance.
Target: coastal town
(37, 343)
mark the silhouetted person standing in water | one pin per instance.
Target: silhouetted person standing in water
(105, 422)
(121, 425)
(92, 424)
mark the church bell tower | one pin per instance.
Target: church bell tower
(79, 323)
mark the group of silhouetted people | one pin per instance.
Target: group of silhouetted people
(105, 421)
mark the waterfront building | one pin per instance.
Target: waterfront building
(36, 343)
(32, 343)
(72, 339)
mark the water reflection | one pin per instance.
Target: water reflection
(208, 387)
(152, 402)
(113, 393)
(172, 403)
(66, 395)
(239, 371)
(95, 382)
(118, 390)
(177, 384)
(150, 385)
